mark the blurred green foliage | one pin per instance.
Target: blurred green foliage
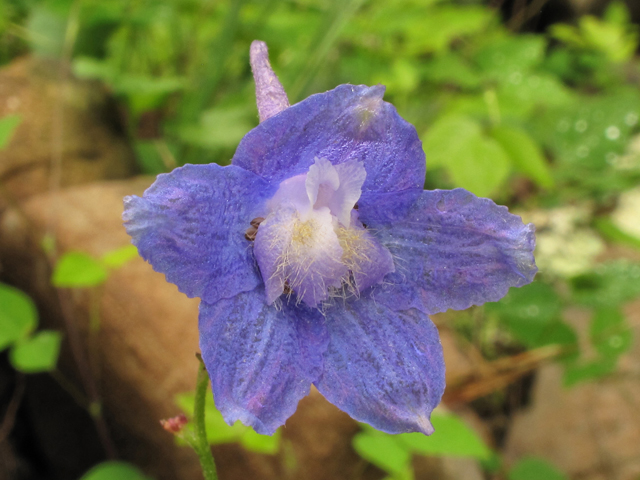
(393, 453)
(114, 470)
(81, 270)
(29, 352)
(558, 109)
(532, 468)
(8, 125)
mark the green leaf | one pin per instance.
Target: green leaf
(583, 372)
(401, 76)
(587, 137)
(219, 128)
(524, 153)
(452, 438)
(533, 315)
(617, 13)
(452, 69)
(78, 270)
(18, 315)
(617, 42)
(480, 167)
(609, 285)
(118, 257)
(435, 30)
(149, 157)
(507, 56)
(523, 95)
(114, 470)
(255, 442)
(38, 353)
(383, 450)
(535, 469)
(46, 28)
(611, 232)
(610, 334)
(445, 138)
(87, 67)
(8, 125)
(473, 161)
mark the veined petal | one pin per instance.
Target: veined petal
(261, 360)
(190, 226)
(349, 122)
(382, 367)
(451, 249)
(336, 187)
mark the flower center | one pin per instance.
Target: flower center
(311, 242)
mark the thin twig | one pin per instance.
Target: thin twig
(12, 408)
(504, 372)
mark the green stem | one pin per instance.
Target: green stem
(201, 445)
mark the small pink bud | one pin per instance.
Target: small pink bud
(174, 424)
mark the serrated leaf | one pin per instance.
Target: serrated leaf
(36, 354)
(383, 450)
(118, 257)
(525, 154)
(78, 270)
(535, 469)
(114, 470)
(452, 438)
(18, 315)
(8, 125)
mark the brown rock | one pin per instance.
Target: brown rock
(66, 123)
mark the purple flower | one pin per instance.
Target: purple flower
(318, 257)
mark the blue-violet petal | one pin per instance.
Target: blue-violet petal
(190, 226)
(382, 367)
(261, 360)
(348, 122)
(451, 250)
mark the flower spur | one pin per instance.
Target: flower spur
(318, 256)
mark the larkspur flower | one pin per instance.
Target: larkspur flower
(318, 256)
